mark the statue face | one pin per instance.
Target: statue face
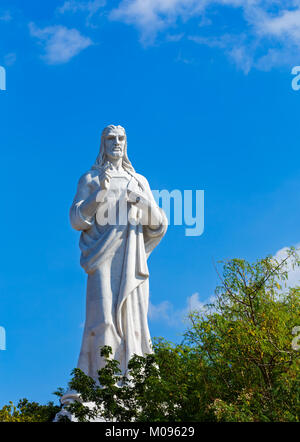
(115, 144)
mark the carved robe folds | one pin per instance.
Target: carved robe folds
(115, 259)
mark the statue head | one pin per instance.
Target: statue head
(113, 146)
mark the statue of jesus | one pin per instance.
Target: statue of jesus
(120, 225)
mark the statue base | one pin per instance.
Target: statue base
(69, 398)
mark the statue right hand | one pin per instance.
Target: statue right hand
(104, 177)
(104, 180)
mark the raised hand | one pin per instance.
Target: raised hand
(104, 181)
(105, 176)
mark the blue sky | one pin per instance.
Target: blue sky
(205, 95)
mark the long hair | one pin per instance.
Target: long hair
(102, 158)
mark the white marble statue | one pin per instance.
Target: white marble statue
(114, 254)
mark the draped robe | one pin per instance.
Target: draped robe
(115, 259)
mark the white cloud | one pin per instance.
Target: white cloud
(91, 7)
(160, 311)
(271, 35)
(150, 16)
(60, 43)
(293, 273)
(286, 25)
(241, 57)
(193, 303)
(165, 311)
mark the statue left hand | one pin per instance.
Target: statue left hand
(146, 206)
(138, 198)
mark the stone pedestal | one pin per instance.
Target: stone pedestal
(69, 398)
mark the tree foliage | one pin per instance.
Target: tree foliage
(26, 411)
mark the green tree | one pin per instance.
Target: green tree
(26, 411)
(246, 342)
